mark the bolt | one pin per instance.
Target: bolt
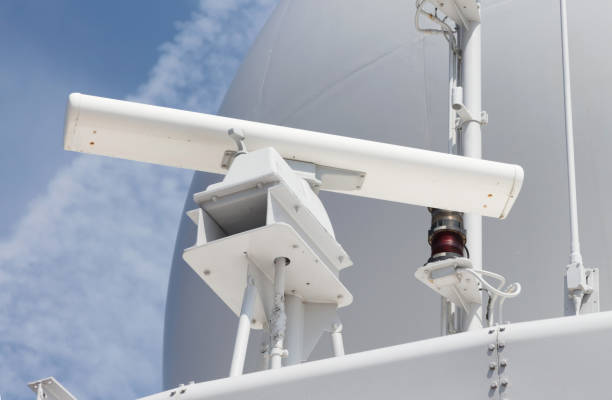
(491, 347)
(492, 365)
(503, 362)
(494, 385)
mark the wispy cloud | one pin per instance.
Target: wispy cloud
(83, 276)
(195, 68)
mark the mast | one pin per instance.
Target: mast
(471, 77)
(581, 284)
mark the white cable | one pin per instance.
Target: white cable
(490, 288)
(511, 291)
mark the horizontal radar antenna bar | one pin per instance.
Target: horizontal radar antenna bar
(198, 141)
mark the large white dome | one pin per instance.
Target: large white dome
(359, 68)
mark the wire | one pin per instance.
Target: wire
(446, 30)
(511, 291)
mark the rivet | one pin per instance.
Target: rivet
(494, 385)
(501, 345)
(492, 365)
(503, 362)
(491, 347)
(502, 328)
(491, 331)
(207, 272)
(504, 382)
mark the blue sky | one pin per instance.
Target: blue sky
(86, 242)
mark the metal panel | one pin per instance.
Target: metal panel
(447, 367)
(561, 358)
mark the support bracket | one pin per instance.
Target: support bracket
(50, 389)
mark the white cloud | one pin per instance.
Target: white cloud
(83, 276)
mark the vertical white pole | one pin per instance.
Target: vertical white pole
(444, 311)
(452, 114)
(575, 256)
(244, 328)
(295, 329)
(452, 149)
(472, 147)
(278, 319)
(337, 341)
(576, 286)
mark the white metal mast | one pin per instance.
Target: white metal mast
(471, 77)
(580, 283)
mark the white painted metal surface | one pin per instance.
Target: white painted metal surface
(198, 141)
(423, 370)
(510, 361)
(223, 265)
(244, 328)
(446, 277)
(294, 339)
(50, 389)
(461, 11)
(472, 146)
(561, 358)
(579, 280)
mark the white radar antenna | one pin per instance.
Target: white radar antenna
(265, 244)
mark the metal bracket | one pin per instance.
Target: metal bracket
(50, 389)
(465, 116)
(581, 287)
(447, 279)
(460, 11)
(319, 176)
